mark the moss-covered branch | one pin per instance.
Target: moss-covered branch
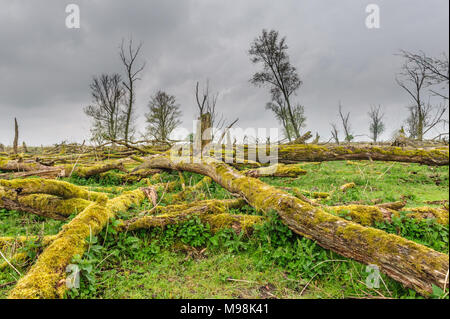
(46, 278)
(51, 187)
(277, 170)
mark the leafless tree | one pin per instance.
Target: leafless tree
(164, 116)
(334, 133)
(128, 55)
(206, 103)
(431, 117)
(414, 77)
(376, 125)
(278, 73)
(437, 69)
(107, 110)
(345, 120)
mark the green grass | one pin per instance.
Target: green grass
(188, 261)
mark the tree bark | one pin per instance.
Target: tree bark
(411, 264)
(16, 137)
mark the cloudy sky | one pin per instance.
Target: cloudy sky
(46, 68)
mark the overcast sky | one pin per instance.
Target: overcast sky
(46, 68)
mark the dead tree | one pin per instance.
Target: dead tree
(334, 133)
(437, 68)
(16, 137)
(345, 120)
(128, 57)
(207, 115)
(414, 77)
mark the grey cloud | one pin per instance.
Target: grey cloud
(45, 69)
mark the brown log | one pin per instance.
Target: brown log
(409, 263)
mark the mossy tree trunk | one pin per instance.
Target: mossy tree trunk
(411, 264)
(318, 153)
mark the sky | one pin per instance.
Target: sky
(46, 68)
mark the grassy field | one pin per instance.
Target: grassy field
(188, 260)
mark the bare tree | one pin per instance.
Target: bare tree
(334, 133)
(278, 73)
(207, 105)
(107, 110)
(16, 137)
(414, 77)
(164, 116)
(431, 116)
(376, 125)
(345, 120)
(437, 69)
(128, 57)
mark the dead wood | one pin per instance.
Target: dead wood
(409, 263)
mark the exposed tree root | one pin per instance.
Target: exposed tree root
(409, 263)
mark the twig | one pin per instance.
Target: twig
(307, 284)
(7, 261)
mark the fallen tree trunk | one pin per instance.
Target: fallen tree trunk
(318, 153)
(409, 263)
(48, 173)
(86, 171)
(44, 205)
(18, 166)
(51, 187)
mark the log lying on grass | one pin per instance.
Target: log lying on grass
(277, 170)
(213, 212)
(20, 166)
(90, 170)
(43, 205)
(409, 263)
(46, 278)
(46, 173)
(318, 153)
(51, 187)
